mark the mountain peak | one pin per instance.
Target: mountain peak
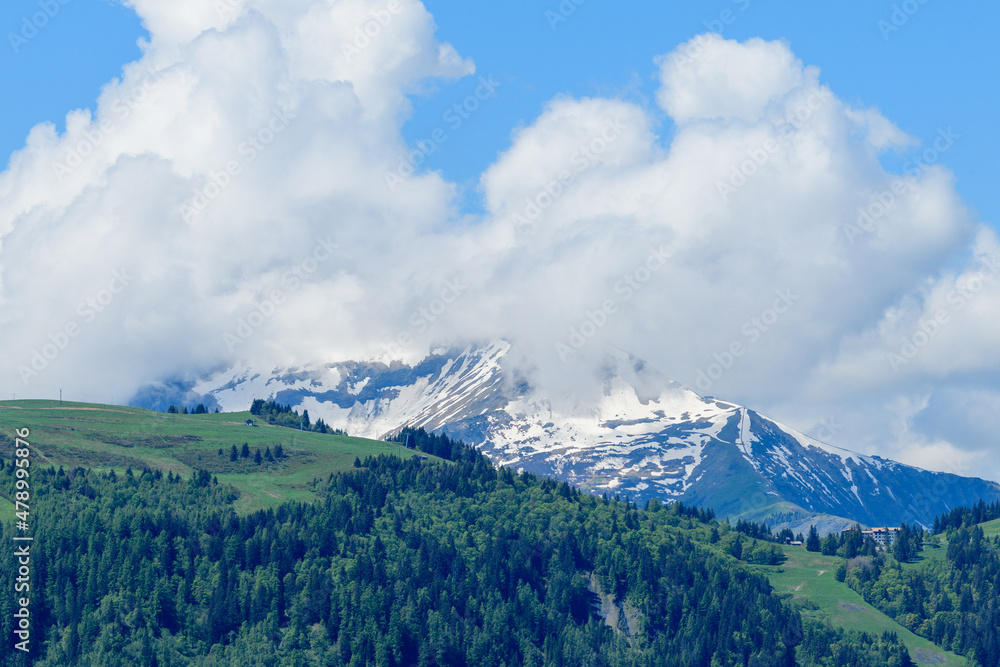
(633, 431)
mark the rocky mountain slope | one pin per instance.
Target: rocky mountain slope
(641, 435)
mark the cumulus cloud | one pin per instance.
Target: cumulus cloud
(227, 200)
(711, 78)
(236, 168)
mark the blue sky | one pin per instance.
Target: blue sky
(939, 69)
(156, 210)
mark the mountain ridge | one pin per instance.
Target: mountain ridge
(643, 435)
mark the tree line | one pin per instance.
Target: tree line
(199, 409)
(951, 601)
(401, 562)
(283, 415)
(981, 512)
(907, 542)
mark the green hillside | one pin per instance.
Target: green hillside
(106, 437)
(808, 578)
(399, 563)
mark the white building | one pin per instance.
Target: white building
(884, 536)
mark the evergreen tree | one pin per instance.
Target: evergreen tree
(812, 542)
(851, 543)
(902, 545)
(245, 452)
(830, 544)
(400, 562)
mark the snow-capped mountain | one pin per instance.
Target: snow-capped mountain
(642, 435)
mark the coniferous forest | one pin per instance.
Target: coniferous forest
(283, 415)
(951, 600)
(401, 562)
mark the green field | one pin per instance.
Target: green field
(808, 578)
(114, 437)
(991, 528)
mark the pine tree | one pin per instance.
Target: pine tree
(830, 545)
(245, 452)
(902, 544)
(256, 457)
(233, 454)
(812, 542)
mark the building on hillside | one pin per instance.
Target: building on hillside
(883, 536)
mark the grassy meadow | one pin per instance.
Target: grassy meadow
(116, 437)
(807, 577)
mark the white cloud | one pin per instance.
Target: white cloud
(761, 252)
(711, 78)
(210, 172)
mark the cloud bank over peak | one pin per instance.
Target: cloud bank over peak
(227, 200)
